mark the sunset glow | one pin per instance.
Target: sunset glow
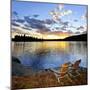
(55, 36)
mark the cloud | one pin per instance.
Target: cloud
(27, 28)
(45, 25)
(71, 26)
(20, 23)
(60, 6)
(69, 31)
(66, 12)
(84, 16)
(36, 23)
(75, 20)
(63, 28)
(77, 32)
(32, 22)
(15, 24)
(14, 29)
(65, 23)
(84, 32)
(29, 23)
(55, 15)
(35, 15)
(19, 20)
(59, 12)
(80, 28)
(15, 14)
(49, 21)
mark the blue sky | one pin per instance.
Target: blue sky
(74, 16)
(30, 8)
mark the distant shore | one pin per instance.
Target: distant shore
(82, 37)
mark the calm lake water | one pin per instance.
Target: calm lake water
(50, 54)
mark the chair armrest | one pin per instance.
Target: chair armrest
(55, 71)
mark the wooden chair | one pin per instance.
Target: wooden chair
(62, 73)
(74, 69)
(67, 70)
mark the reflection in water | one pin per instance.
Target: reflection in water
(41, 55)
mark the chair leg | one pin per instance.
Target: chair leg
(77, 73)
(58, 80)
(57, 77)
(69, 78)
(74, 75)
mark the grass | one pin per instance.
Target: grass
(46, 79)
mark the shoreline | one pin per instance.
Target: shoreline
(24, 78)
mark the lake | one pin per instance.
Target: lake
(50, 54)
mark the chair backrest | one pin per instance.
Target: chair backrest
(76, 64)
(64, 68)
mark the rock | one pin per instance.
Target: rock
(14, 59)
(18, 69)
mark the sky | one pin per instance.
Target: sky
(48, 20)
